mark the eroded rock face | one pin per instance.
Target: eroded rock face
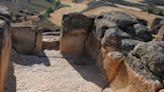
(121, 76)
(140, 71)
(120, 18)
(126, 45)
(112, 64)
(160, 34)
(113, 36)
(108, 28)
(5, 48)
(156, 25)
(123, 47)
(26, 40)
(142, 32)
(75, 29)
(92, 46)
(148, 56)
(128, 80)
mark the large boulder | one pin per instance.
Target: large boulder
(148, 56)
(126, 45)
(112, 36)
(75, 29)
(119, 39)
(102, 26)
(140, 71)
(5, 48)
(26, 39)
(142, 33)
(156, 25)
(123, 23)
(122, 19)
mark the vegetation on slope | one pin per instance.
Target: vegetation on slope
(56, 4)
(149, 7)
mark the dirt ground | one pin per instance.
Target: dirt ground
(52, 73)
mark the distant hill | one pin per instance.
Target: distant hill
(26, 7)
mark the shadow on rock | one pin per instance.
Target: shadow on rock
(11, 80)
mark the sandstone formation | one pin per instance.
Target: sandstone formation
(122, 46)
(144, 68)
(26, 39)
(92, 46)
(75, 29)
(5, 48)
(120, 75)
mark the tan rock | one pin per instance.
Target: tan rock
(160, 35)
(142, 70)
(102, 55)
(72, 44)
(128, 80)
(26, 39)
(5, 52)
(92, 46)
(112, 64)
(75, 29)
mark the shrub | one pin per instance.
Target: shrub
(155, 2)
(154, 10)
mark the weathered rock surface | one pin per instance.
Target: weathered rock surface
(120, 18)
(142, 70)
(92, 46)
(112, 64)
(113, 36)
(148, 59)
(142, 32)
(26, 39)
(129, 25)
(102, 26)
(126, 45)
(75, 30)
(121, 46)
(156, 25)
(5, 47)
(121, 76)
(160, 34)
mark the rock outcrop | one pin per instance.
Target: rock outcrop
(142, 70)
(26, 39)
(122, 46)
(5, 48)
(75, 29)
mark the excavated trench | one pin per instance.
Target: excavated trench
(122, 46)
(51, 72)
